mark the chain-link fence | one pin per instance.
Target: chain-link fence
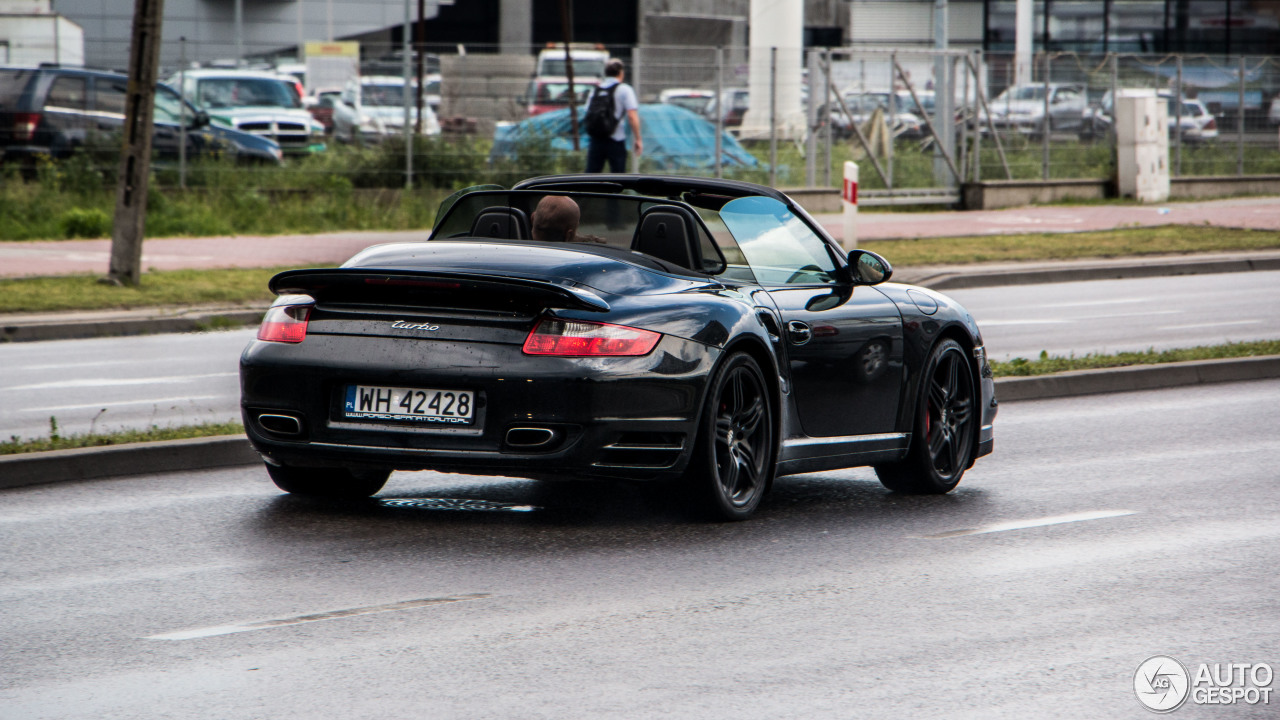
(785, 117)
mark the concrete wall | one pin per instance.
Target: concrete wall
(484, 87)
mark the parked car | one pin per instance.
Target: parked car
(371, 109)
(54, 111)
(552, 93)
(1021, 109)
(321, 107)
(260, 102)
(588, 62)
(861, 106)
(687, 98)
(732, 110)
(1197, 124)
(658, 350)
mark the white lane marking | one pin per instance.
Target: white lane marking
(1092, 303)
(112, 382)
(349, 612)
(1023, 524)
(66, 366)
(992, 323)
(1211, 325)
(1135, 314)
(109, 405)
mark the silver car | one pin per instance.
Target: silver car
(371, 109)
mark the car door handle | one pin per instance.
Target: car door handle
(799, 332)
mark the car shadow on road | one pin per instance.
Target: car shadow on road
(510, 513)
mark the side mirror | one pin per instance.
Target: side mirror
(868, 268)
(200, 120)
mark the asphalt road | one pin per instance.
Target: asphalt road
(117, 383)
(1104, 530)
(183, 379)
(1113, 315)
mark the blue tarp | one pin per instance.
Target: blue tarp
(675, 139)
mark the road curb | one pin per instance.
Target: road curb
(131, 459)
(75, 327)
(1031, 276)
(234, 450)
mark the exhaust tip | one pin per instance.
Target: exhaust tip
(280, 424)
(529, 438)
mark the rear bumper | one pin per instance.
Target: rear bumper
(629, 418)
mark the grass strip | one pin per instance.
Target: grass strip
(16, 445)
(168, 288)
(1047, 364)
(1125, 242)
(173, 288)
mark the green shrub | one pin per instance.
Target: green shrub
(85, 223)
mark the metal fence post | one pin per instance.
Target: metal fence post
(810, 136)
(1240, 124)
(407, 70)
(1115, 89)
(1177, 123)
(826, 103)
(1047, 128)
(773, 116)
(637, 72)
(182, 113)
(978, 89)
(719, 110)
(893, 95)
(963, 157)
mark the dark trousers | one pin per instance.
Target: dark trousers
(598, 151)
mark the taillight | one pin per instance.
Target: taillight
(285, 323)
(579, 338)
(24, 126)
(1211, 125)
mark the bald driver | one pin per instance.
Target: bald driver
(555, 219)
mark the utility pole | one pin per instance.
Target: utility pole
(129, 225)
(419, 34)
(566, 26)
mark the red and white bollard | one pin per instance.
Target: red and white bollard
(850, 238)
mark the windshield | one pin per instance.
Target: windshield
(382, 95)
(581, 68)
(558, 93)
(247, 92)
(780, 248)
(168, 108)
(1024, 92)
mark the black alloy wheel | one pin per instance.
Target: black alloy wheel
(734, 458)
(942, 439)
(336, 483)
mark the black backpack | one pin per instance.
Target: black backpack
(600, 120)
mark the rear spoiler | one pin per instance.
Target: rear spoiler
(342, 281)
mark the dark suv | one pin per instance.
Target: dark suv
(54, 111)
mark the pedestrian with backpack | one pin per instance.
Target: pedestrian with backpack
(612, 100)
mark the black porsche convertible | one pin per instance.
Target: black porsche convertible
(700, 331)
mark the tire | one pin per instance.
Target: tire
(945, 423)
(733, 461)
(337, 483)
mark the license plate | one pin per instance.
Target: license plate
(443, 407)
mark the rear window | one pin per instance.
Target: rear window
(12, 83)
